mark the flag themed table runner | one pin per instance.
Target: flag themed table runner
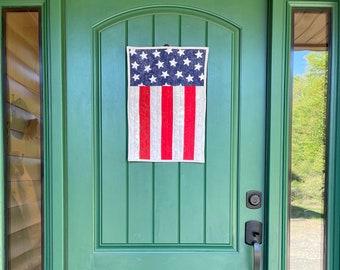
(166, 103)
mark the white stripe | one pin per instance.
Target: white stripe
(156, 122)
(133, 119)
(178, 123)
(200, 123)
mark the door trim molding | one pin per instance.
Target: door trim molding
(97, 91)
(55, 130)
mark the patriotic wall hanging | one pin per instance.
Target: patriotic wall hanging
(166, 103)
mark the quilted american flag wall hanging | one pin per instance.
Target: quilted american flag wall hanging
(166, 103)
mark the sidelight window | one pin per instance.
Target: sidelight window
(22, 99)
(308, 144)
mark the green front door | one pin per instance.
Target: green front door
(171, 216)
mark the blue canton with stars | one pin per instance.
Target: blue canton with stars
(167, 66)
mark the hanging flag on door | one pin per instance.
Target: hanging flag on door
(166, 103)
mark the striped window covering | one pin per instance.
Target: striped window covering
(166, 103)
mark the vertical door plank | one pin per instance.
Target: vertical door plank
(192, 203)
(219, 130)
(141, 203)
(166, 174)
(166, 203)
(140, 179)
(113, 135)
(193, 33)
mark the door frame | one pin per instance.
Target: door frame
(55, 204)
(276, 195)
(278, 100)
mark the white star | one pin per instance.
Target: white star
(181, 52)
(168, 50)
(144, 55)
(135, 77)
(135, 65)
(201, 77)
(186, 61)
(132, 51)
(173, 62)
(153, 79)
(147, 68)
(198, 54)
(189, 78)
(179, 74)
(156, 53)
(165, 74)
(198, 66)
(159, 64)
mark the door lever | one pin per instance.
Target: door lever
(253, 237)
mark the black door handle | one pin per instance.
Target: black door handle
(253, 237)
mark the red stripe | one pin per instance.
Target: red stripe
(189, 122)
(167, 129)
(144, 122)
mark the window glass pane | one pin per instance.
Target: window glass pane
(308, 138)
(22, 80)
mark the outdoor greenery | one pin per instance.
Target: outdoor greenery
(309, 137)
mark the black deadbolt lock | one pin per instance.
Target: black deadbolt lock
(254, 199)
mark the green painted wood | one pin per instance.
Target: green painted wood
(161, 211)
(192, 201)
(56, 233)
(333, 201)
(219, 149)
(140, 226)
(55, 190)
(333, 188)
(170, 171)
(81, 227)
(192, 176)
(277, 192)
(276, 161)
(166, 204)
(166, 176)
(114, 136)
